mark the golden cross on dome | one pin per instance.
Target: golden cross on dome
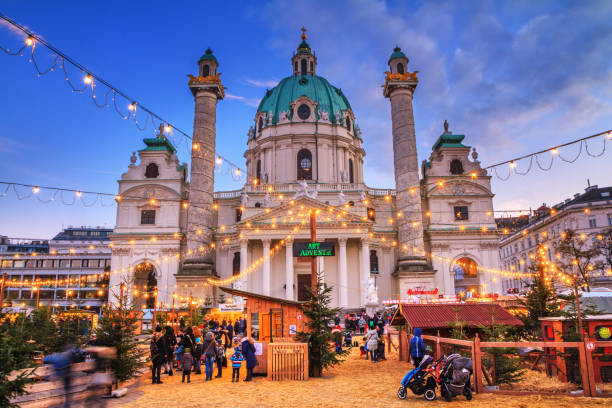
(303, 33)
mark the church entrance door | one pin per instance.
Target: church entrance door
(303, 281)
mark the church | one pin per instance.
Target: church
(177, 240)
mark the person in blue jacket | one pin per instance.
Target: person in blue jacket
(417, 347)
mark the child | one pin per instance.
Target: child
(220, 356)
(337, 336)
(186, 362)
(237, 360)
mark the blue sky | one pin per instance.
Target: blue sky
(513, 76)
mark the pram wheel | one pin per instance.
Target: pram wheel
(401, 393)
(430, 394)
(446, 393)
(468, 393)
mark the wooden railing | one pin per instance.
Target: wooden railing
(288, 361)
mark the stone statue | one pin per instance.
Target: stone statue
(302, 190)
(357, 131)
(283, 116)
(323, 116)
(337, 117)
(270, 117)
(251, 133)
(266, 200)
(371, 293)
(264, 118)
(244, 199)
(133, 159)
(474, 154)
(362, 196)
(446, 127)
(343, 176)
(341, 198)
(160, 132)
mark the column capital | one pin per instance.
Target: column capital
(266, 241)
(244, 241)
(342, 240)
(288, 241)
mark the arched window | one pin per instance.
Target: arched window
(456, 167)
(465, 268)
(260, 126)
(236, 264)
(152, 171)
(351, 172)
(400, 68)
(205, 70)
(257, 205)
(296, 68)
(371, 214)
(258, 171)
(146, 282)
(348, 124)
(311, 66)
(373, 261)
(304, 66)
(304, 165)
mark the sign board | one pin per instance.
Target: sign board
(292, 329)
(299, 316)
(309, 249)
(231, 307)
(258, 349)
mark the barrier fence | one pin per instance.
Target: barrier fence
(288, 361)
(545, 354)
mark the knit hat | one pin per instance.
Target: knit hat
(158, 328)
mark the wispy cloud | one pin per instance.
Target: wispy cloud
(263, 84)
(230, 96)
(253, 102)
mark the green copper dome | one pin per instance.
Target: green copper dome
(208, 55)
(397, 53)
(328, 97)
(303, 48)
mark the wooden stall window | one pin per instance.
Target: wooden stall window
(276, 323)
(264, 327)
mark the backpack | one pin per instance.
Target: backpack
(154, 349)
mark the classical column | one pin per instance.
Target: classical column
(266, 267)
(365, 269)
(399, 88)
(242, 282)
(207, 90)
(289, 269)
(342, 273)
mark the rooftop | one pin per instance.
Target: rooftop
(83, 234)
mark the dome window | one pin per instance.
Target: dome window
(296, 67)
(260, 125)
(205, 71)
(311, 66)
(456, 167)
(304, 66)
(303, 112)
(348, 124)
(152, 171)
(351, 172)
(400, 68)
(304, 165)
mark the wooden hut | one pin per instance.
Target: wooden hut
(269, 320)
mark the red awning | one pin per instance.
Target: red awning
(431, 316)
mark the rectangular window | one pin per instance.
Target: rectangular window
(461, 213)
(522, 245)
(147, 217)
(238, 214)
(610, 219)
(592, 222)
(19, 264)
(75, 263)
(529, 242)
(7, 264)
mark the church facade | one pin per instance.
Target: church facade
(304, 153)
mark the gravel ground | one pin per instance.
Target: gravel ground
(356, 383)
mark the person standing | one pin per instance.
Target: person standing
(237, 360)
(243, 327)
(248, 351)
(158, 356)
(372, 341)
(417, 347)
(219, 358)
(362, 324)
(186, 361)
(210, 352)
(230, 332)
(170, 342)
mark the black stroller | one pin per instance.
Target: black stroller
(348, 340)
(420, 380)
(455, 377)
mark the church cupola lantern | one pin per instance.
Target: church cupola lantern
(304, 61)
(398, 62)
(208, 64)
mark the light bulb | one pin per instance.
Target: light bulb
(36, 190)
(132, 106)
(88, 79)
(29, 41)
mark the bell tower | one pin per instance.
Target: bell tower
(413, 269)
(304, 62)
(207, 90)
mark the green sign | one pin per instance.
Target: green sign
(309, 249)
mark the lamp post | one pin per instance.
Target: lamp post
(2, 290)
(155, 310)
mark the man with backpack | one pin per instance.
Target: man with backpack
(417, 347)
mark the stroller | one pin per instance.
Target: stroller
(421, 380)
(455, 377)
(348, 340)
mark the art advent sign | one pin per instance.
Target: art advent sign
(309, 249)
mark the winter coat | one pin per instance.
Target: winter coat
(237, 358)
(371, 339)
(209, 346)
(186, 361)
(158, 352)
(230, 331)
(248, 351)
(170, 340)
(188, 341)
(362, 322)
(417, 346)
(237, 327)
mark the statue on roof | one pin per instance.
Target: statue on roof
(446, 131)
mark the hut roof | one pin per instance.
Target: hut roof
(245, 294)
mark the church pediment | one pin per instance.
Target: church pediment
(459, 188)
(294, 211)
(151, 191)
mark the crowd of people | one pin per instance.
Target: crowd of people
(211, 344)
(373, 328)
